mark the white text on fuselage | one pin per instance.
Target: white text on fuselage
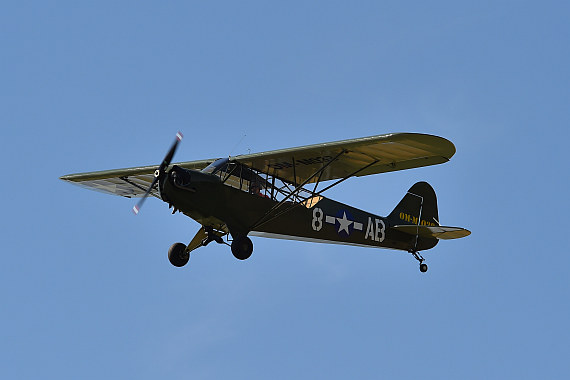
(375, 228)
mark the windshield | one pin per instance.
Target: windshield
(215, 166)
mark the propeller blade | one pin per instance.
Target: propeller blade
(139, 204)
(164, 164)
(170, 154)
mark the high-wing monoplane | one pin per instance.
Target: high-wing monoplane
(279, 194)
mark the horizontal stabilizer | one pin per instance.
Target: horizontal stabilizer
(438, 232)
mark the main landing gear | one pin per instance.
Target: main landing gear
(417, 256)
(242, 248)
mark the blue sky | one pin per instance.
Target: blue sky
(87, 290)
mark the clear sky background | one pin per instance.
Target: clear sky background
(86, 287)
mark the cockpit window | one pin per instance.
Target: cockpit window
(236, 175)
(239, 176)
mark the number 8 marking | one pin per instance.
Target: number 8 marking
(317, 219)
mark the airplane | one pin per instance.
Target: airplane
(278, 194)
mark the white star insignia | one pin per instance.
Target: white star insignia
(344, 223)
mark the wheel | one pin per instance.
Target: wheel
(423, 267)
(242, 248)
(177, 255)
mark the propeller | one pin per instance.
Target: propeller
(159, 172)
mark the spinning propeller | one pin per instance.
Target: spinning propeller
(159, 172)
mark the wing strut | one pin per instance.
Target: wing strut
(265, 219)
(345, 178)
(296, 190)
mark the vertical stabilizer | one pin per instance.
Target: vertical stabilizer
(418, 207)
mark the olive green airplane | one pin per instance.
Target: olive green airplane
(278, 194)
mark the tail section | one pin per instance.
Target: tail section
(416, 217)
(418, 207)
(416, 214)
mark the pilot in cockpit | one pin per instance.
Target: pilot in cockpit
(255, 188)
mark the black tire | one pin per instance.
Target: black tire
(177, 255)
(242, 248)
(423, 267)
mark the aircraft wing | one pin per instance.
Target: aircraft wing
(384, 153)
(128, 182)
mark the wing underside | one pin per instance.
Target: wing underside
(129, 182)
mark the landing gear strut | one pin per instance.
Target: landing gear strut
(417, 256)
(242, 248)
(211, 236)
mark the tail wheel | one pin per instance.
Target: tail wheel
(419, 257)
(242, 248)
(177, 255)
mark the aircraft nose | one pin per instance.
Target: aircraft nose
(180, 177)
